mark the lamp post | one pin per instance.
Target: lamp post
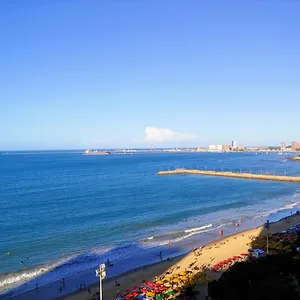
(268, 227)
(101, 274)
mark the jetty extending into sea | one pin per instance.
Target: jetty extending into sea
(232, 174)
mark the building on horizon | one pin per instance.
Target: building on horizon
(295, 146)
(215, 147)
(283, 146)
(225, 147)
(233, 144)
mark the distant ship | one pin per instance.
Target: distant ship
(96, 152)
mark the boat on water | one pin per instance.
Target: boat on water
(96, 152)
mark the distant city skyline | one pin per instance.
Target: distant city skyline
(131, 74)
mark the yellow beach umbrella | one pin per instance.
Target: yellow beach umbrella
(184, 278)
(150, 294)
(168, 278)
(167, 284)
(159, 282)
(176, 280)
(182, 273)
(175, 275)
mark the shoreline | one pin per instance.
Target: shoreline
(127, 278)
(184, 260)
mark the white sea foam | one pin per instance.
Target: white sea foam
(199, 228)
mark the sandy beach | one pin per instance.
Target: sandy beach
(207, 256)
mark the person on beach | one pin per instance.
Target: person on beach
(160, 255)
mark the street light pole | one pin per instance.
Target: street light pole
(100, 287)
(268, 227)
(101, 274)
(268, 241)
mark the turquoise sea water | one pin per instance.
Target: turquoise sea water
(64, 213)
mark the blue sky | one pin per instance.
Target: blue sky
(118, 73)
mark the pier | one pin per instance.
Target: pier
(232, 175)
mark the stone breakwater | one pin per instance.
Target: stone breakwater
(233, 175)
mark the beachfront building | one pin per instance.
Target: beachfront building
(283, 146)
(233, 144)
(215, 147)
(295, 146)
(225, 147)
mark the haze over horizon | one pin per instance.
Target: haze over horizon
(129, 74)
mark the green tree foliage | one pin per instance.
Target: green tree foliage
(273, 277)
(189, 291)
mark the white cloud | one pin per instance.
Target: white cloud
(154, 134)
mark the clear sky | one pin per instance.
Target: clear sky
(131, 73)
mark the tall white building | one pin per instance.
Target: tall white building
(233, 144)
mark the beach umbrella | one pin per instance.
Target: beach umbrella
(144, 290)
(141, 297)
(160, 282)
(170, 293)
(150, 294)
(176, 280)
(168, 284)
(184, 278)
(244, 254)
(158, 297)
(182, 273)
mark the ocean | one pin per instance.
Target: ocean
(64, 213)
